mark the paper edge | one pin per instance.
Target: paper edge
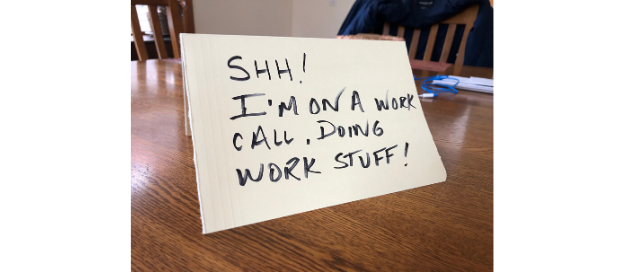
(184, 78)
(330, 206)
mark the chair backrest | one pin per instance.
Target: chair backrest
(466, 17)
(173, 20)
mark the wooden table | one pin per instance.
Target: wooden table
(444, 227)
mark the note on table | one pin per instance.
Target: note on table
(287, 125)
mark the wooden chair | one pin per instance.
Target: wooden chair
(173, 19)
(466, 17)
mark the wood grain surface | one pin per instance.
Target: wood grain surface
(446, 226)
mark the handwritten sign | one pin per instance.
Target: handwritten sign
(287, 125)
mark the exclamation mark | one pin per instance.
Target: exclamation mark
(304, 57)
(406, 147)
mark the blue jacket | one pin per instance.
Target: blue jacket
(369, 15)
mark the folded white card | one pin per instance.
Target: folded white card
(286, 125)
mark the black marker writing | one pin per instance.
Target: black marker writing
(380, 103)
(271, 171)
(367, 161)
(239, 68)
(355, 100)
(280, 72)
(406, 147)
(255, 142)
(307, 167)
(275, 172)
(292, 104)
(288, 170)
(403, 102)
(388, 154)
(262, 71)
(243, 108)
(326, 103)
(234, 141)
(242, 179)
(377, 157)
(378, 131)
(354, 130)
(275, 138)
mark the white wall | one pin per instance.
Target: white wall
(243, 17)
(320, 18)
(296, 18)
